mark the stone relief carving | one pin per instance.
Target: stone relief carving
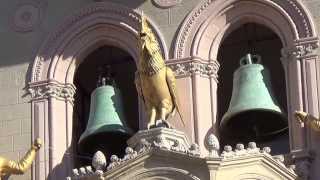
(195, 67)
(160, 143)
(302, 161)
(52, 89)
(303, 49)
(166, 3)
(27, 15)
(188, 25)
(99, 161)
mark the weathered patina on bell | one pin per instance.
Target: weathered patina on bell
(253, 113)
(106, 128)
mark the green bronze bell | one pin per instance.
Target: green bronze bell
(253, 113)
(106, 128)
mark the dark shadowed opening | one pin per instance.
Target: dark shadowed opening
(86, 78)
(255, 39)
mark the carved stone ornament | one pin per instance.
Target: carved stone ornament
(213, 146)
(166, 3)
(302, 163)
(167, 142)
(53, 89)
(187, 68)
(104, 14)
(99, 161)
(298, 17)
(305, 48)
(27, 15)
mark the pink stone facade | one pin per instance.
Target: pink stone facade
(192, 54)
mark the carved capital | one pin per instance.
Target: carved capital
(302, 161)
(302, 49)
(43, 90)
(183, 68)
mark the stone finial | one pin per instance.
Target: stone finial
(227, 151)
(266, 150)
(194, 150)
(213, 145)
(99, 161)
(239, 147)
(130, 154)
(82, 171)
(115, 161)
(75, 172)
(227, 148)
(252, 148)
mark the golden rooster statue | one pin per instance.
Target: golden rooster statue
(8, 167)
(155, 83)
(304, 117)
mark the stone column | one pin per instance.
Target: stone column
(52, 121)
(196, 84)
(302, 77)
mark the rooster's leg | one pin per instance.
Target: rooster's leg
(152, 116)
(165, 106)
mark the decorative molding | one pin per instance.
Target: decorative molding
(162, 139)
(115, 161)
(145, 147)
(240, 151)
(185, 67)
(302, 161)
(52, 89)
(213, 146)
(27, 15)
(127, 19)
(187, 25)
(295, 13)
(302, 49)
(298, 11)
(99, 161)
(166, 3)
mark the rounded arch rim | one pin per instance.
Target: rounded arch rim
(113, 14)
(299, 19)
(145, 174)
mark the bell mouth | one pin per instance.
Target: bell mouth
(110, 143)
(255, 125)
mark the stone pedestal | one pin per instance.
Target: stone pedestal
(165, 138)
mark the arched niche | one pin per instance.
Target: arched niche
(202, 33)
(51, 84)
(257, 40)
(122, 68)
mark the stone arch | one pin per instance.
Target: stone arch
(51, 84)
(289, 19)
(165, 173)
(252, 176)
(81, 27)
(203, 31)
